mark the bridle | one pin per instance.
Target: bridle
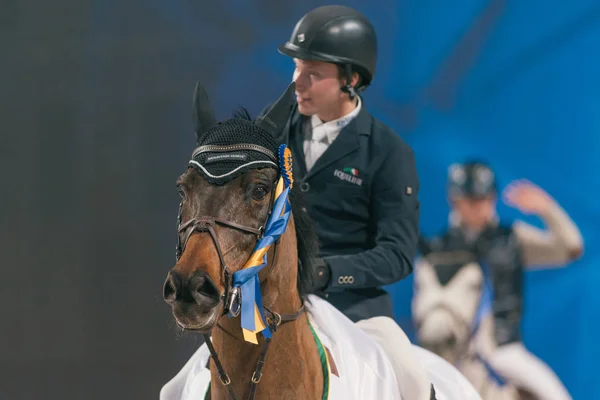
(207, 224)
(231, 296)
(464, 324)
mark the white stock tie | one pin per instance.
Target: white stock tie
(317, 146)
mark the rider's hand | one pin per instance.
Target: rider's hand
(527, 197)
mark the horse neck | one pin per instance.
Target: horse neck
(292, 348)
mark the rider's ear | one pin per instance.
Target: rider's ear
(204, 117)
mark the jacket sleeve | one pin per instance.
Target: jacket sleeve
(560, 244)
(395, 217)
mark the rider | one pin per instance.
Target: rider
(358, 177)
(506, 251)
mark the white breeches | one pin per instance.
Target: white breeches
(412, 378)
(523, 369)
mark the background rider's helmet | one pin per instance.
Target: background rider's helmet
(473, 179)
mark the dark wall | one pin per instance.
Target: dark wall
(95, 110)
(95, 126)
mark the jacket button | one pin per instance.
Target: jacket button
(351, 280)
(341, 280)
(304, 187)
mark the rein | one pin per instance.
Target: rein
(274, 320)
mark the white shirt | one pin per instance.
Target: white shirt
(318, 135)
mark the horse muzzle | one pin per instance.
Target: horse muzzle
(195, 300)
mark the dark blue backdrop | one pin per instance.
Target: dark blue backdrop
(515, 82)
(96, 126)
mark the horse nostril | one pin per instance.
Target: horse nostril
(170, 288)
(203, 290)
(450, 341)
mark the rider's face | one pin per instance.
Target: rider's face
(318, 91)
(475, 212)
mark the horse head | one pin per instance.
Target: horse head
(452, 312)
(234, 210)
(447, 302)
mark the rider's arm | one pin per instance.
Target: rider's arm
(553, 247)
(395, 218)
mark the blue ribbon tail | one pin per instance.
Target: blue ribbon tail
(266, 332)
(248, 296)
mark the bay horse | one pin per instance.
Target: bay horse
(243, 277)
(228, 193)
(451, 308)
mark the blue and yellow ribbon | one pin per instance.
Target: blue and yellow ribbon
(252, 312)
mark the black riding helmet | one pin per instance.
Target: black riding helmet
(474, 179)
(339, 35)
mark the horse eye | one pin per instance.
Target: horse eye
(259, 192)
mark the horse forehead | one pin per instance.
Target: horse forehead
(203, 189)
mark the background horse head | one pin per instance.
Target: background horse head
(451, 309)
(240, 247)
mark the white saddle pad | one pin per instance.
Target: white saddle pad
(448, 382)
(363, 368)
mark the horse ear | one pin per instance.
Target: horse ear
(204, 117)
(275, 119)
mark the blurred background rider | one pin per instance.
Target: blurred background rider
(474, 227)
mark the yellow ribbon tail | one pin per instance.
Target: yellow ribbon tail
(279, 188)
(250, 336)
(257, 257)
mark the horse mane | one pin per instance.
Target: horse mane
(242, 113)
(306, 237)
(308, 243)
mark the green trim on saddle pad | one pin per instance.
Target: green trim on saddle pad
(324, 365)
(324, 362)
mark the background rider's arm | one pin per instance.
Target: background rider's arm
(395, 212)
(554, 247)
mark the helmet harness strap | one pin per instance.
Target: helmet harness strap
(348, 88)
